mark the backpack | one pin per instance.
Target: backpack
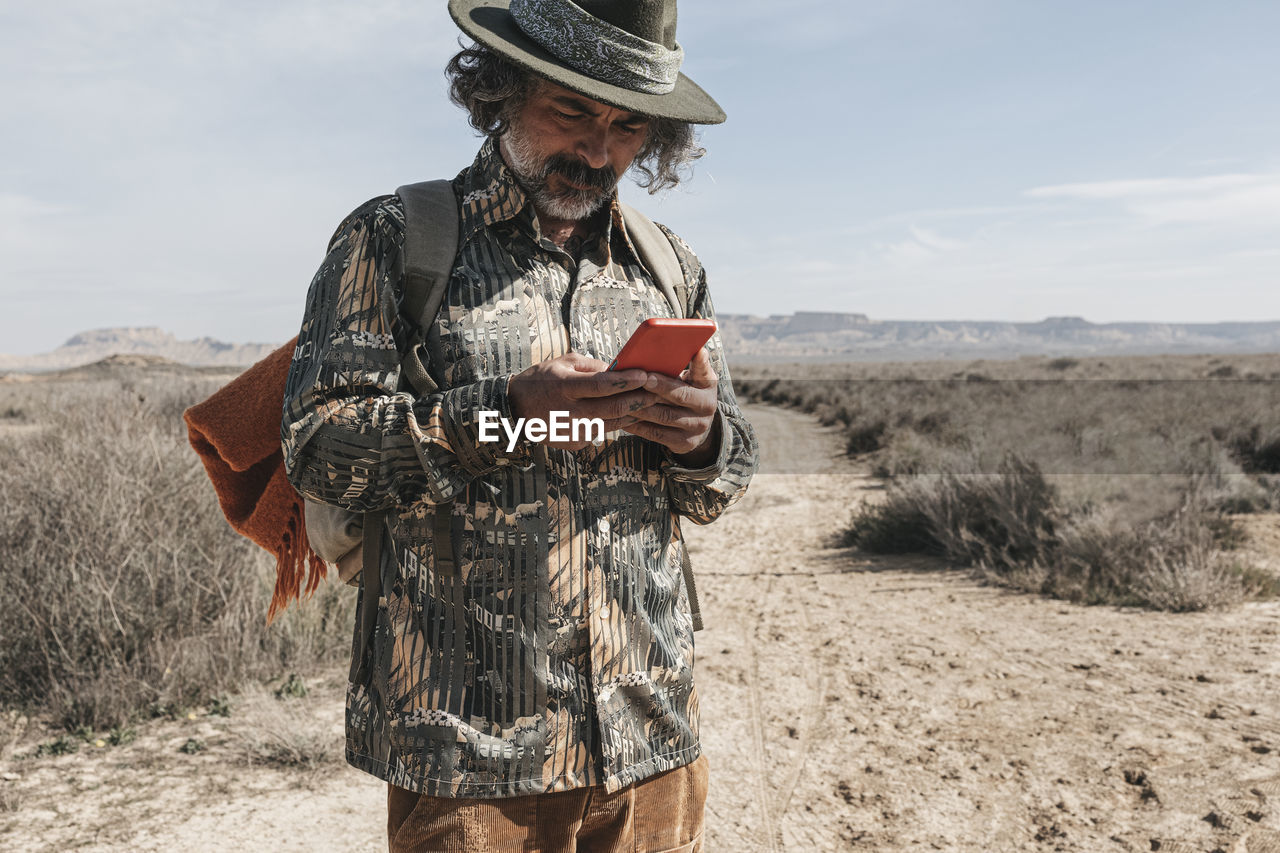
(352, 540)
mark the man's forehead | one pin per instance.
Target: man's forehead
(568, 97)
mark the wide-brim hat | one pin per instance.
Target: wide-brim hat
(619, 52)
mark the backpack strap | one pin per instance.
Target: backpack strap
(370, 581)
(430, 247)
(686, 568)
(658, 256)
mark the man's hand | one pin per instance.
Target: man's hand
(683, 416)
(582, 386)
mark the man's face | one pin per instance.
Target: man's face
(569, 151)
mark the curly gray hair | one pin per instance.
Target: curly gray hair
(491, 89)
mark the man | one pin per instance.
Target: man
(529, 681)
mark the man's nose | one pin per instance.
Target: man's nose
(593, 147)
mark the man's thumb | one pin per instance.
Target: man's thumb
(699, 373)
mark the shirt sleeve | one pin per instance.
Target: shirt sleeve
(352, 436)
(701, 494)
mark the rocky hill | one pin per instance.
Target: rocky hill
(832, 336)
(97, 344)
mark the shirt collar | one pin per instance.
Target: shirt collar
(491, 194)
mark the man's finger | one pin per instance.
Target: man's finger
(585, 363)
(615, 424)
(615, 405)
(668, 388)
(644, 429)
(672, 439)
(605, 383)
(676, 417)
(680, 393)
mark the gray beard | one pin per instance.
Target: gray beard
(532, 175)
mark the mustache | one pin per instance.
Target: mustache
(578, 172)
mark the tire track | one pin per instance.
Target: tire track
(814, 713)
(772, 837)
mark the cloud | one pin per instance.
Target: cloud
(81, 35)
(1243, 199)
(27, 225)
(932, 240)
(1146, 187)
(921, 248)
(150, 73)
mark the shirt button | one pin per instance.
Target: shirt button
(604, 612)
(604, 525)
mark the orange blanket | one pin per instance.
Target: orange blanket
(236, 433)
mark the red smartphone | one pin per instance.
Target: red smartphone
(662, 345)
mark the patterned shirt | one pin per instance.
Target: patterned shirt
(557, 651)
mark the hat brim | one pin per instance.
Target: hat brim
(489, 22)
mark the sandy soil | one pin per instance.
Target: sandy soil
(895, 704)
(848, 703)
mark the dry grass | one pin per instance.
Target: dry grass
(124, 588)
(277, 730)
(1095, 480)
(10, 799)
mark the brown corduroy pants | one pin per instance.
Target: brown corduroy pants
(661, 814)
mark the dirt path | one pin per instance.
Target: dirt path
(847, 704)
(894, 704)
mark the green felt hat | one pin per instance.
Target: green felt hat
(619, 52)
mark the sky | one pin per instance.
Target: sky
(183, 165)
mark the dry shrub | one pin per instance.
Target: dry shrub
(1097, 562)
(124, 587)
(283, 732)
(1186, 571)
(998, 521)
(10, 798)
(1012, 527)
(1256, 446)
(935, 424)
(1124, 443)
(910, 454)
(865, 436)
(1175, 563)
(1216, 481)
(896, 526)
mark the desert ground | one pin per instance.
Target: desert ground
(848, 703)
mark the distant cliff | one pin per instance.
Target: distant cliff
(808, 335)
(95, 345)
(854, 336)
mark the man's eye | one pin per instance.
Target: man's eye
(631, 128)
(568, 116)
